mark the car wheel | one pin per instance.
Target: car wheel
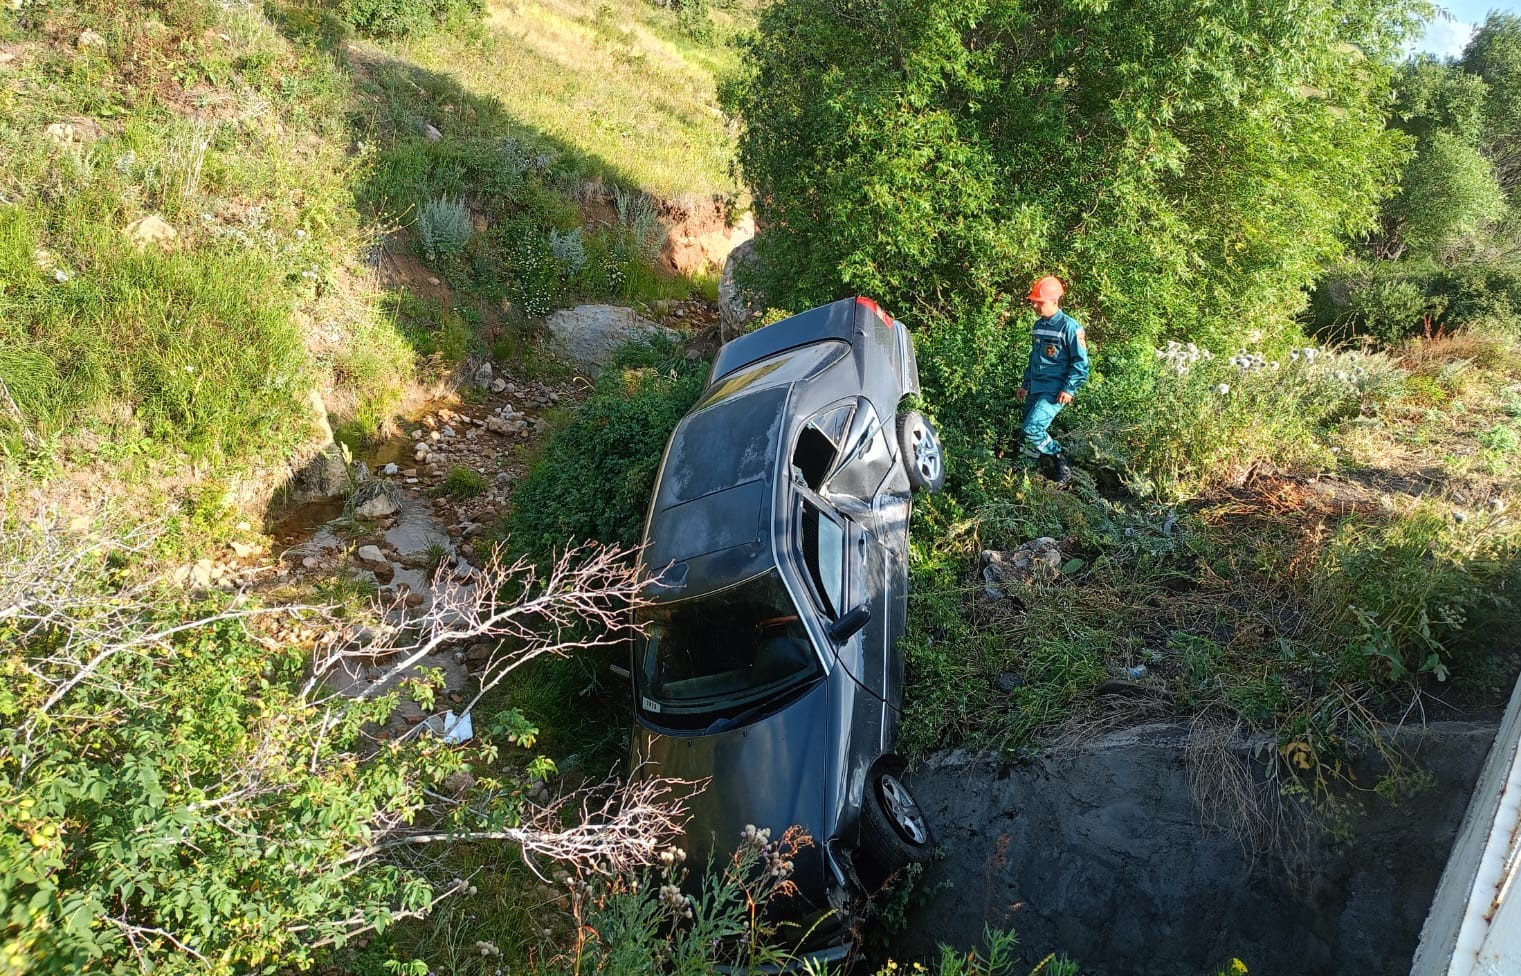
(923, 457)
(894, 831)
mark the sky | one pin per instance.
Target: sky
(1445, 38)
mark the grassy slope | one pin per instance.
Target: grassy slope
(203, 347)
(280, 148)
(1366, 572)
(631, 97)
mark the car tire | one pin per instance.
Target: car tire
(894, 831)
(923, 457)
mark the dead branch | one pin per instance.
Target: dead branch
(613, 827)
(581, 602)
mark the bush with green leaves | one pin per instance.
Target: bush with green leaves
(1207, 417)
(569, 249)
(594, 477)
(402, 18)
(183, 788)
(444, 227)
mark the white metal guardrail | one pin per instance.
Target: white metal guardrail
(1474, 926)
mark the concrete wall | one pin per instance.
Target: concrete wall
(1101, 852)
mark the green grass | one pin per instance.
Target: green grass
(202, 344)
(619, 87)
(1310, 614)
(462, 482)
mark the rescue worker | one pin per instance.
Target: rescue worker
(1058, 368)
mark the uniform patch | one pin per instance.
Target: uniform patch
(1082, 339)
(1051, 351)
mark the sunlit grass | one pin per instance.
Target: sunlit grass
(618, 85)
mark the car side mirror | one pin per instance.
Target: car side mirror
(844, 628)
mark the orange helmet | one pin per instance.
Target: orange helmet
(1047, 289)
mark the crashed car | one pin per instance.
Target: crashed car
(769, 663)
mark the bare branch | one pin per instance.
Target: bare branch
(613, 828)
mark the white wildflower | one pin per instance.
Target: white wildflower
(1223, 389)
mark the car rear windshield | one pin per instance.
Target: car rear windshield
(736, 647)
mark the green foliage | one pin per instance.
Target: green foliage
(206, 834)
(1494, 54)
(461, 482)
(400, 18)
(594, 477)
(1449, 192)
(996, 956)
(1209, 417)
(633, 927)
(939, 155)
(1418, 595)
(197, 350)
(443, 227)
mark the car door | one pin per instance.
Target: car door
(869, 486)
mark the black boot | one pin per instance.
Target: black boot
(1061, 471)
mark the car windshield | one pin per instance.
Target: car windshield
(735, 647)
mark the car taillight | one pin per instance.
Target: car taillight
(876, 310)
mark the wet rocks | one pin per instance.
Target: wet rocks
(375, 505)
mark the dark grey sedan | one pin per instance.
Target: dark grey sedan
(779, 536)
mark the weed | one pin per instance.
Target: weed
(568, 249)
(444, 227)
(395, 18)
(462, 482)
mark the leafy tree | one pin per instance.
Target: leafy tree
(1188, 168)
(1494, 54)
(1449, 192)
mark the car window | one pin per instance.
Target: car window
(740, 645)
(819, 445)
(823, 541)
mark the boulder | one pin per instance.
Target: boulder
(377, 506)
(589, 334)
(736, 305)
(76, 131)
(370, 556)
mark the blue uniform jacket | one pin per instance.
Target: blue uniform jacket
(1058, 357)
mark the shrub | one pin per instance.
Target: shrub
(637, 214)
(569, 249)
(399, 18)
(903, 178)
(444, 227)
(594, 477)
(243, 821)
